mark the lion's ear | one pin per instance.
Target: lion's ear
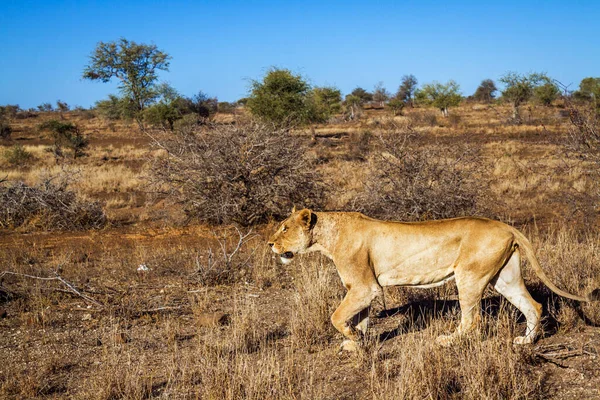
(305, 216)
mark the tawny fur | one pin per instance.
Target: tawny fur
(370, 254)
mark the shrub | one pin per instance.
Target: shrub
(17, 155)
(546, 93)
(283, 98)
(242, 174)
(115, 108)
(5, 129)
(66, 134)
(409, 182)
(48, 206)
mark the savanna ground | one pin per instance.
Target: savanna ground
(162, 307)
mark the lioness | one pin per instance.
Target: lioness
(370, 254)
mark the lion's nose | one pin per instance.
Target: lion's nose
(271, 244)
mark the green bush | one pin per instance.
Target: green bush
(17, 156)
(66, 134)
(282, 98)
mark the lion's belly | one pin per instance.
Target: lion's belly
(418, 266)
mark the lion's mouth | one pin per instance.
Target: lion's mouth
(288, 255)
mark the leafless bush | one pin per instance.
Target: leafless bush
(49, 206)
(359, 146)
(242, 173)
(226, 261)
(584, 132)
(411, 182)
(584, 143)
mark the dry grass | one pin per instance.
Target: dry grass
(278, 341)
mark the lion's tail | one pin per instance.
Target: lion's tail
(525, 244)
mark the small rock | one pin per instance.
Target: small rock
(86, 317)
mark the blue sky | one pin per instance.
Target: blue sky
(218, 46)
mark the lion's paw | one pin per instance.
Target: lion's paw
(523, 340)
(350, 346)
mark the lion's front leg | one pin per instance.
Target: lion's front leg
(354, 309)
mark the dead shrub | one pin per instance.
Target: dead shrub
(414, 183)
(49, 206)
(243, 174)
(228, 260)
(359, 146)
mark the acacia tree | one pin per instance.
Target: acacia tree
(135, 65)
(520, 88)
(407, 89)
(485, 91)
(362, 94)
(441, 96)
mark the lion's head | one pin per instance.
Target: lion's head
(294, 235)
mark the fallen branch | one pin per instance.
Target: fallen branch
(71, 288)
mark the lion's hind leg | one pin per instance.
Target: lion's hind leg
(509, 283)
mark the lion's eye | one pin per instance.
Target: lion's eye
(284, 229)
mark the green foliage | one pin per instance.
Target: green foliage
(167, 110)
(407, 89)
(17, 156)
(9, 111)
(352, 104)
(441, 96)
(589, 89)
(115, 108)
(45, 107)
(519, 89)
(66, 134)
(396, 105)
(362, 94)
(226, 107)
(327, 101)
(485, 92)
(546, 93)
(282, 98)
(162, 115)
(134, 65)
(62, 106)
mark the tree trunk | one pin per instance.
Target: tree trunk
(515, 116)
